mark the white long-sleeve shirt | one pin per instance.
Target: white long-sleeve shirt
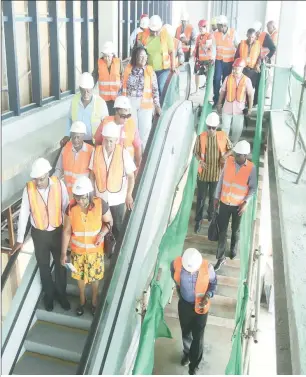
(133, 36)
(25, 209)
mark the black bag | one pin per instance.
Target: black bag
(109, 242)
(213, 230)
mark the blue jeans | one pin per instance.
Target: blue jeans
(222, 70)
(162, 76)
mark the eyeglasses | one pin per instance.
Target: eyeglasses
(210, 128)
(124, 116)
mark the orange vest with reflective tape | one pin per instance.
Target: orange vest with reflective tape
(187, 31)
(204, 53)
(225, 47)
(110, 179)
(75, 168)
(234, 92)
(143, 36)
(46, 214)
(235, 185)
(201, 284)
(147, 98)
(221, 142)
(84, 233)
(264, 50)
(249, 55)
(109, 82)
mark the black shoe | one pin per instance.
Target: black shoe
(80, 309)
(93, 309)
(197, 227)
(209, 218)
(64, 303)
(48, 303)
(193, 371)
(219, 264)
(232, 255)
(185, 360)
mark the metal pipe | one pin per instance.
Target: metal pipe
(258, 293)
(301, 171)
(300, 110)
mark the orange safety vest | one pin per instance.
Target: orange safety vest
(204, 53)
(274, 37)
(127, 134)
(143, 36)
(46, 214)
(109, 82)
(235, 185)
(73, 169)
(249, 55)
(201, 284)
(147, 98)
(264, 50)
(84, 234)
(234, 92)
(221, 142)
(187, 32)
(110, 179)
(225, 47)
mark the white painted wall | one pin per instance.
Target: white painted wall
(248, 13)
(197, 10)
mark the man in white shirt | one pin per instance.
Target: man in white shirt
(112, 173)
(144, 24)
(45, 200)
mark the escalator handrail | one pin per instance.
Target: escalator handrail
(88, 347)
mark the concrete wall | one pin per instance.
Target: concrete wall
(248, 13)
(197, 10)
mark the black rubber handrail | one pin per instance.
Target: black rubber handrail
(102, 303)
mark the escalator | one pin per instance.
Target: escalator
(35, 341)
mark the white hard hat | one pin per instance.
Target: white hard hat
(213, 119)
(192, 260)
(40, 167)
(78, 127)
(86, 81)
(82, 186)
(242, 147)
(184, 16)
(170, 30)
(122, 102)
(108, 48)
(222, 19)
(155, 23)
(111, 129)
(257, 25)
(144, 22)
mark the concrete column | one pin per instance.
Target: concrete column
(108, 23)
(284, 55)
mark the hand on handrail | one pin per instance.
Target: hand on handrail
(16, 247)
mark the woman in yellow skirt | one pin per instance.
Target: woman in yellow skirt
(87, 221)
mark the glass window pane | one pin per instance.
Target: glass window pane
(62, 41)
(4, 87)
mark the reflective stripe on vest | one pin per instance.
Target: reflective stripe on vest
(129, 130)
(221, 142)
(84, 234)
(201, 284)
(225, 47)
(46, 214)
(109, 179)
(249, 55)
(187, 31)
(73, 168)
(204, 53)
(96, 114)
(235, 185)
(234, 92)
(147, 98)
(109, 82)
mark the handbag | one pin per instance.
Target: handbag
(109, 242)
(213, 230)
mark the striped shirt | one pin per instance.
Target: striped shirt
(212, 158)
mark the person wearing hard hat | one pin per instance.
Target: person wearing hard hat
(143, 25)
(87, 221)
(268, 48)
(109, 71)
(178, 47)
(236, 186)
(129, 135)
(226, 42)
(86, 107)
(211, 150)
(196, 283)
(213, 24)
(112, 171)
(140, 86)
(249, 51)
(204, 53)
(272, 30)
(160, 49)
(236, 90)
(74, 159)
(186, 34)
(45, 200)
